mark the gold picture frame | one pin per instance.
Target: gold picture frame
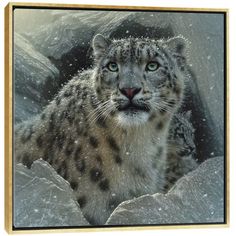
(9, 108)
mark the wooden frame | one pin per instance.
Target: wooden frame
(9, 111)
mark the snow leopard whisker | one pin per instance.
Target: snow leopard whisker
(162, 107)
(103, 112)
(96, 113)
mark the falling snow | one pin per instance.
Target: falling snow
(55, 205)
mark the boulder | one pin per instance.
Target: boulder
(42, 198)
(196, 198)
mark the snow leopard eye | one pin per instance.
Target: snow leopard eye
(112, 66)
(152, 66)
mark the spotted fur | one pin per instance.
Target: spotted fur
(181, 148)
(106, 131)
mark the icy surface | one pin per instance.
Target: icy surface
(196, 198)
(43, 199)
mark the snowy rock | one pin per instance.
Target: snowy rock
(33, 73)
(64, 30)
(196, 198)
(44, 199)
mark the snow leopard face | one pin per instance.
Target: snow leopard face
(137, 79)
(181, 134)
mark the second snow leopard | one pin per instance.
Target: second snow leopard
(106, 131)
(181, 148)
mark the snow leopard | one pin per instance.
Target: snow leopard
(181, 154)
(106, 130)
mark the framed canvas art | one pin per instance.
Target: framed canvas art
(116, 117)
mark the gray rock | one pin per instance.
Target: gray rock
(64, 30)
(196, 198)
(32, 73)
(42, 198)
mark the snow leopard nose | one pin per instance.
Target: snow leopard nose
(130, 92)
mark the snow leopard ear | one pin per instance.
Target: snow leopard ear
(100, 45)
(177, 44)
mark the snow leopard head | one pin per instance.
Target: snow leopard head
(138, 78)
